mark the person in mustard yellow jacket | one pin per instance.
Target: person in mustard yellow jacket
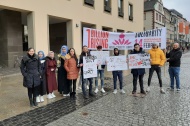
(157, 60)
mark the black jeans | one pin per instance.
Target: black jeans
(32, 92)
(72, 84)
(158, 71)
(135, 78)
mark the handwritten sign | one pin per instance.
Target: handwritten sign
(139, 61)
(89, 67)
(101, 56)
(116, 63)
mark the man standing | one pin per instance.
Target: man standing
(174, 59)
(117, 74)
(157, 59)
(85, 52)
(100, 72)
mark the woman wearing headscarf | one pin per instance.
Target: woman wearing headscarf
(42, 87)
(63, 82)
(72, 68)
(51, 66)
(31, 71)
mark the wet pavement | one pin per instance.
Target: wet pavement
(155, 109)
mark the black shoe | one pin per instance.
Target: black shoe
(85, 97)
(31, 102)
(34, 101)
(74, 95)
(143, 92)
(71, 95)
(92, 94)
(133, 92)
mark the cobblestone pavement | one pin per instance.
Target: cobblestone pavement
(155, 109)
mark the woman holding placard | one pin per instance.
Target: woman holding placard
(139, 72)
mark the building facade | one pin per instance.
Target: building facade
(153, 14)
(46, 24)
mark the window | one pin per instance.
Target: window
(156, 16)
(144, 16)
(107, 5)
(130, 12)
(160, 18)
(89, 2)
(163, 19)
(120, 8)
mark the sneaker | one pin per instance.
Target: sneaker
(42, 98)
(102, 90)
(66, 95)
(49, 96)
(38, 99)
(162, 91)
(178, 89)
(115, 91)
(122, 91)
(148, 89)
(96, 90)
(52, 94)
(87, 87)
(134, 93)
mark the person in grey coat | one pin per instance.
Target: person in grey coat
(31, 71)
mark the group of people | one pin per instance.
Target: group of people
(39, 72)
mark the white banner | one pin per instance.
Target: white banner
(89, 67)
(123, 41)
(139, 61)
(115, 63)
(101, 56)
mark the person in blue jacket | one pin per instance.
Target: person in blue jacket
(139, 72)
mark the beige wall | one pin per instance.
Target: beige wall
(77, 12)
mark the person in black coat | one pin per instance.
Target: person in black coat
(85, 52)
(63, 82)
(42, 87)
(138, 73)
(174, 59)
(31, 70)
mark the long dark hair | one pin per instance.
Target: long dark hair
(74, 56)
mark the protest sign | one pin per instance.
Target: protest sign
(123, 41)
(116, 63)
(101, 56)
(139, 61)
(89, 67)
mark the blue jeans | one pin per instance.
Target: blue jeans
(118, 74)
(101, 73)
(84, 81)
(174, 73)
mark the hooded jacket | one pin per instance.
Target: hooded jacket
(157, 57)
(174, 57)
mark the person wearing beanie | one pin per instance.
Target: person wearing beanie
(117, 74)
(157, 60)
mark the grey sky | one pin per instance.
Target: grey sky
(182, 6)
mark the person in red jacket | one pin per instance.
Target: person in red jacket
(51, 65)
